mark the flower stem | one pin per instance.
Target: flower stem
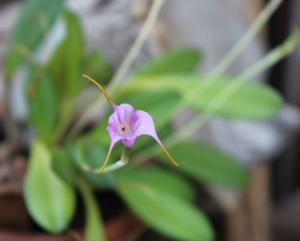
(93, 228)
(260, 21)
(120, 163)
(138, 44)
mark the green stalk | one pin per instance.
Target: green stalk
(260, 21)
(93, 228)
(120, 163)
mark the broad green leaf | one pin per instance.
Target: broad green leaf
(209, 164)
(179, 61)
(251, 101)
(32, 25)
(166, 213)
(97, 66)
(94, 230)
(65, 65)
(160, 179)
(63, 164)
(42, 103)
(50, 200)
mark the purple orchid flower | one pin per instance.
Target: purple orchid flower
(126, 124)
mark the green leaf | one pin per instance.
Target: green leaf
(42, 103)
(97, 66)
(175, 61)
(32, 25)
(50, 201)
(166, 213)
(89, 152)
(160, 179)
(252, 100)
(209, 164)
(65, 65)
(63, 165)
(94, 230)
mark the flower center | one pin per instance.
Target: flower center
(125, 130)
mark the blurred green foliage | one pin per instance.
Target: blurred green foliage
(49, 199)
(166, 212)
(35, 20)
(65, 66)
(162, 198)
(252, 101)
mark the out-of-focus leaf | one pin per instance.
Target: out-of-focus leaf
(160, 104)
(166, 213)
(160, 179)
(100, 133)
(42, 103)
(33, 23)
(251, 101)
(65, 65)
(63, 165)
(179, 61)
(93, 228)
(89, 153)
(209, 164)
(50, 201)
(96, 65)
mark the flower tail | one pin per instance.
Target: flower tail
(145, 126)
(102, 167)
(100, 88)
(171, 159)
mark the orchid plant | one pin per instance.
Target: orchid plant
(126, 124)
(68, 151)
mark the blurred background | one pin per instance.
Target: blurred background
(268, 207)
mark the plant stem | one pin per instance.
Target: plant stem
(260, 21)
(93, 228)
(138, 44)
